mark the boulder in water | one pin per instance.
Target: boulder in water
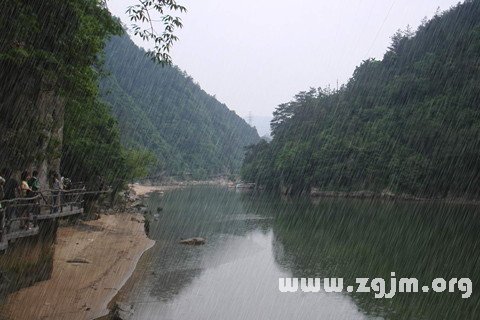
(122, 311)
(193, 241)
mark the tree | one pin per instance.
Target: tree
(409, 123)
(51, 114)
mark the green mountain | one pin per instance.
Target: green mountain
(409, 123)
(163, 110)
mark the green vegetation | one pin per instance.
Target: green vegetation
(49, 62)
(407, 124)
(161, 109)
(142, 12)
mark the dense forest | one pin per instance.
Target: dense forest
(162, 110)
(52, 117)
(408, 124)
(57, 111)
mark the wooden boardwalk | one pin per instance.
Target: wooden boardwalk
(46, 205)
(65, 213)
(22, 233)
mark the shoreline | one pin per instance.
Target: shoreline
(125, 293)
(93, 263)
(315, 194)
(366, 195)
(106, 252)
(143, 189)
(110, 253)
(139, 192)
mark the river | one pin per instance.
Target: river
(255, 239)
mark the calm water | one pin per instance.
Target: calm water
(255, 239)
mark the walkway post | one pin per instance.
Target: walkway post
(2, 225)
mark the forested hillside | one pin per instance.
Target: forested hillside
(163, 110)
(52, 119)
(409, 123)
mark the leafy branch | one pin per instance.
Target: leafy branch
(141, 14)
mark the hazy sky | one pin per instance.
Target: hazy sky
(256, 54)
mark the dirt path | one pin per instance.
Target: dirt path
(107, 251)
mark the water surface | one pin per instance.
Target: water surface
(253, 239)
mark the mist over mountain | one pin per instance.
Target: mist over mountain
(262, 124)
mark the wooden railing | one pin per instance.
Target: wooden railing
(19, 217)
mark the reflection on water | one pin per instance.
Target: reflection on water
(254, 240)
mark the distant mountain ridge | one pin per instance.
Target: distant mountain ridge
(161, 109)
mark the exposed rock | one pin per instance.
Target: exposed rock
(31, 94)
(193, 241)
(138, 205)
(122, 311)
(137, 220)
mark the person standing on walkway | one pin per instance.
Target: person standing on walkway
(33, 182)
(24, 187)
(26, 192)
(56, 190)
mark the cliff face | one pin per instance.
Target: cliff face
(51, 110)
(47, 49)
(31, 126)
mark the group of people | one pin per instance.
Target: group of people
(28, 187)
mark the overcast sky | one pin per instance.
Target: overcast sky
(256, 54)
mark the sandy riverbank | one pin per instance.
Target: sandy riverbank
(143, 190)
(111, 246)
